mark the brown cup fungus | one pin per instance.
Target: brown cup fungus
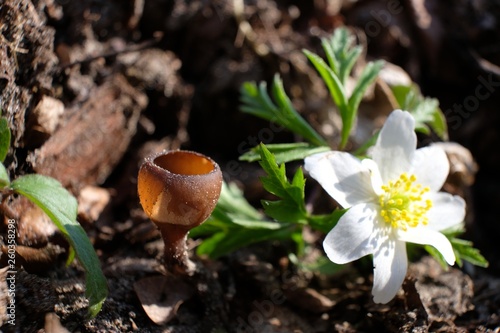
(178, 190)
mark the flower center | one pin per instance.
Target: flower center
(402, 203)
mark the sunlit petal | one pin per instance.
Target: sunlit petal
(342, 176)
(447, 211)
(426, 236)
(390, 265)
(395, 145)
(353, 236)
(431, 167)
(375, 175)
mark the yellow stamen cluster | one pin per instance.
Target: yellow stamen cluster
(402, 203)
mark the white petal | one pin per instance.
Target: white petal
(447, 211)
(352, 237)
(375, 175)
(395, 145)
(431, 167)
(390, 266)
(342, 176)
(426, 236)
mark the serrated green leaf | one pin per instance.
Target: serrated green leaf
(330, 55)
(294, 121)
(222, 243)
(465, 251)
(285, 152)
(348, 63)
(4, 177)
(454, 231)
(400, 93)
(439, 124)
(344, 60)
(325, 223)
(423, 112)
(426, 111)
(231, 208)
(48, 194)
(4, 138)
(332, 81)
(232, 201)
(256, 101)
(257, 224)
(339, 46)
(369, 74)
(284, 211)
(276, 182)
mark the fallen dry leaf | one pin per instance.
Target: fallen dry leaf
(161, 296)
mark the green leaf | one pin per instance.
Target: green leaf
(340, 53)
(234, 223)
(439, 124)
(401, 94)
(4, 177)
(366, 78)
(426, 111)
(299, 241)
(465, 251)
(284, 152)
(225, 242)
(332, 81)
(283, 210)
(341, 62)
(256, 101)
(348, 63)
(437, 255)
(291, 204)
(48, 194)
(4, 138)
(325, 223)
(233, 202)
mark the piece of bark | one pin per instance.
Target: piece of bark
(27, 63)
(43, 121)
(94, 137)
(92, 201)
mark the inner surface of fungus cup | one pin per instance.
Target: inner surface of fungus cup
(178, 190)
(179, 187)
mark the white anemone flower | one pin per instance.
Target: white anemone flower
(392, 198)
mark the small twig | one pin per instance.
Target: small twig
(131, 48)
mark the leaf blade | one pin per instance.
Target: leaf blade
(5, 137)
(4, 176)
(284, 152)
(61, 207)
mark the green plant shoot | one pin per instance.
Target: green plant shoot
(48, 194)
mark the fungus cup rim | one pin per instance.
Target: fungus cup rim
(152, 159)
